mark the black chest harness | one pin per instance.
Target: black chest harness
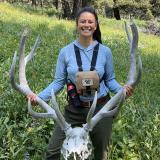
(94, 57)
(72, 90)
(87, 82)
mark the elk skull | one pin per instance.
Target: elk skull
(77, 140)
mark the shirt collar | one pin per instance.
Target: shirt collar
(90, 47)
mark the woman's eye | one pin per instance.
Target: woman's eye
(82, 21)
(90, 22)
(86, 21)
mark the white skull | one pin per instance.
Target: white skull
(77, 143)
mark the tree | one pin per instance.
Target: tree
(71, 7)
(87, 2)
(143, 9)
(116, 10)
(34, 3)
(155, 7)
(76, 5)
(56, 3)
(66, 9)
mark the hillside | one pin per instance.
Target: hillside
(136, 129)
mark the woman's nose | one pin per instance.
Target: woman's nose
(86, 23)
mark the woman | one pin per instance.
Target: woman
(67, 69)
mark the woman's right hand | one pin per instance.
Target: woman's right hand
(32, 98)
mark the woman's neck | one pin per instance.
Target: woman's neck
(85, 42)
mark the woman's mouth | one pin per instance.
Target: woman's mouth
(86, 30)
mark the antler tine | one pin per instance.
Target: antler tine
(22, 77)
(91, 111)
(16, 86)
(63, 123)
(39, 115)
(134, 78)
(33, 53)
(108, 110)
(12, 71)
(139, 71)
(127, 32)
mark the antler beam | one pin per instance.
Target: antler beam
(24, 88)
(134, 76)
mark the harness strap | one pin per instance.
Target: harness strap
(94, 57)
(78, 58)
(93, 62)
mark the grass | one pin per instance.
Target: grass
(135, 131)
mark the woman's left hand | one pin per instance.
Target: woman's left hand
(129, 90)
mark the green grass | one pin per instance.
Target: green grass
(136, 129)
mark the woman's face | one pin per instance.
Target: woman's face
(86, 24)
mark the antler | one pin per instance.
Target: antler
(24, 88)
(77, 139)
(134, 76)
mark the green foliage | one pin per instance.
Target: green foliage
(155, 7)
(148, 15)
(136, 129)
(138, 9)
(145, 9)
(45, 10)
(135, 132)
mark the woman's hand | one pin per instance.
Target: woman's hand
(129, 90)
(32, 98)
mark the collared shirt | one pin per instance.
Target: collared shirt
(67, 68)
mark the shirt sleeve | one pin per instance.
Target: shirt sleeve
(111, 82)
(59, 79)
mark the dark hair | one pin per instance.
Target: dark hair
(97, 32)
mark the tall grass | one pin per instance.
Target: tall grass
(136, 129)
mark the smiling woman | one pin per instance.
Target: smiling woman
(84, 60)
(87, 19)
(86, 26)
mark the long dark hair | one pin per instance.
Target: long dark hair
(97, 32)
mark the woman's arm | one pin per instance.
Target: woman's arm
(60, 78)
(111, 82)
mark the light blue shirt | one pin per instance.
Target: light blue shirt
(67, 68)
